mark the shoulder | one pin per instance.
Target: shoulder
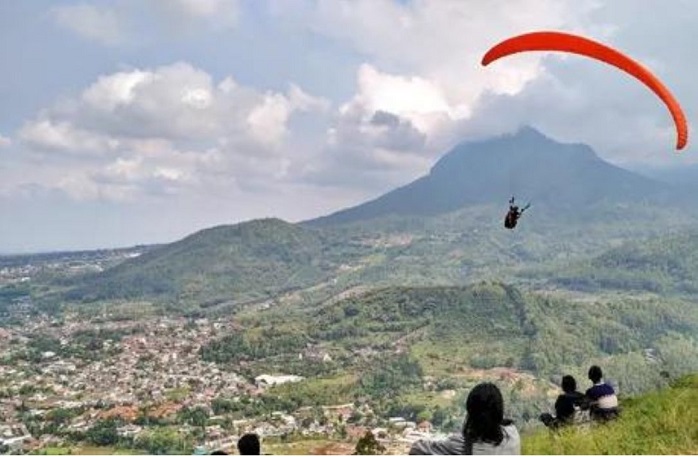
(594, 392)
(606, 389)
(577, 396)
(511, 431)
(512, 440)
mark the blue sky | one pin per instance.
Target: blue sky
(132, 121)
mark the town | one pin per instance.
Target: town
(146, 377)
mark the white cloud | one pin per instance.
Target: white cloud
(414, 98)
(101, 24)
(422, 64)
(421, 82)
(5, 141)
(137, 21)
(62, 136)
(112, 91)
(443, 42)
(268, 119)
(157, 131)
(205, 8)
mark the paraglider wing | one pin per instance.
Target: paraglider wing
(565, 42)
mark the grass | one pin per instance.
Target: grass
(177, 394)
(94, 450)
(309, 447)
(56, 451)
(664, 422)
(440, 360)
(429, 399)
(337, 390)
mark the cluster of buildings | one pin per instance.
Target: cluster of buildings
(152, 370)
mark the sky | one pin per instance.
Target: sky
(141, 121)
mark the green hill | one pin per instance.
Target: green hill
(661, 422)
(390, 340)
(443, 229)
(242, 262)
(660, 265)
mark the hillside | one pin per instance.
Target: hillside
(490, 171)
(385, 344)
(444, 229)
(660, 265)
(271, 259)
(240, 262)
(661, 422)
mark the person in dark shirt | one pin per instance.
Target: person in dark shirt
(248, 444)
(566, 405)
(602, 396)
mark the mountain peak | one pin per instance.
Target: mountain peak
(528, 132)
(525, 163)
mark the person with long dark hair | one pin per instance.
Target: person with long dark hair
(485, 431)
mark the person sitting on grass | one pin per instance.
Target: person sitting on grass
(602, 397)
(568, 406)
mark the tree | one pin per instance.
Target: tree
(163, 441)
(103, 433)
(439, 417)
(368, 445)
(423, 416)
(198, 417)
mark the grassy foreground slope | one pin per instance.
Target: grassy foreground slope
(662, 422)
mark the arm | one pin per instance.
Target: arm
(452, 445)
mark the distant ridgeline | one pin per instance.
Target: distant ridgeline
(444, 228)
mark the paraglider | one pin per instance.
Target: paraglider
(565, 42)
(512, 217)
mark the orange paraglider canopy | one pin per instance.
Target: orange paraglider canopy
(565, 42)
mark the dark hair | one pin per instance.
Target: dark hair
(485, 408)
(569, 384)
(248, 444)
(219, 453)
(595, 374)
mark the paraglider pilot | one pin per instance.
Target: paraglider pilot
(512, 217)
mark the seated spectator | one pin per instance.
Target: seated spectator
(248, 444)
(485, 430)
(568, 406)
(602, 397)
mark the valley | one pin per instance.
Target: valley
(379, 318)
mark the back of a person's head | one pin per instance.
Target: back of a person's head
(248, 444)
(595, 374)
(485, 408)
(569, 384)
(219, 452)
